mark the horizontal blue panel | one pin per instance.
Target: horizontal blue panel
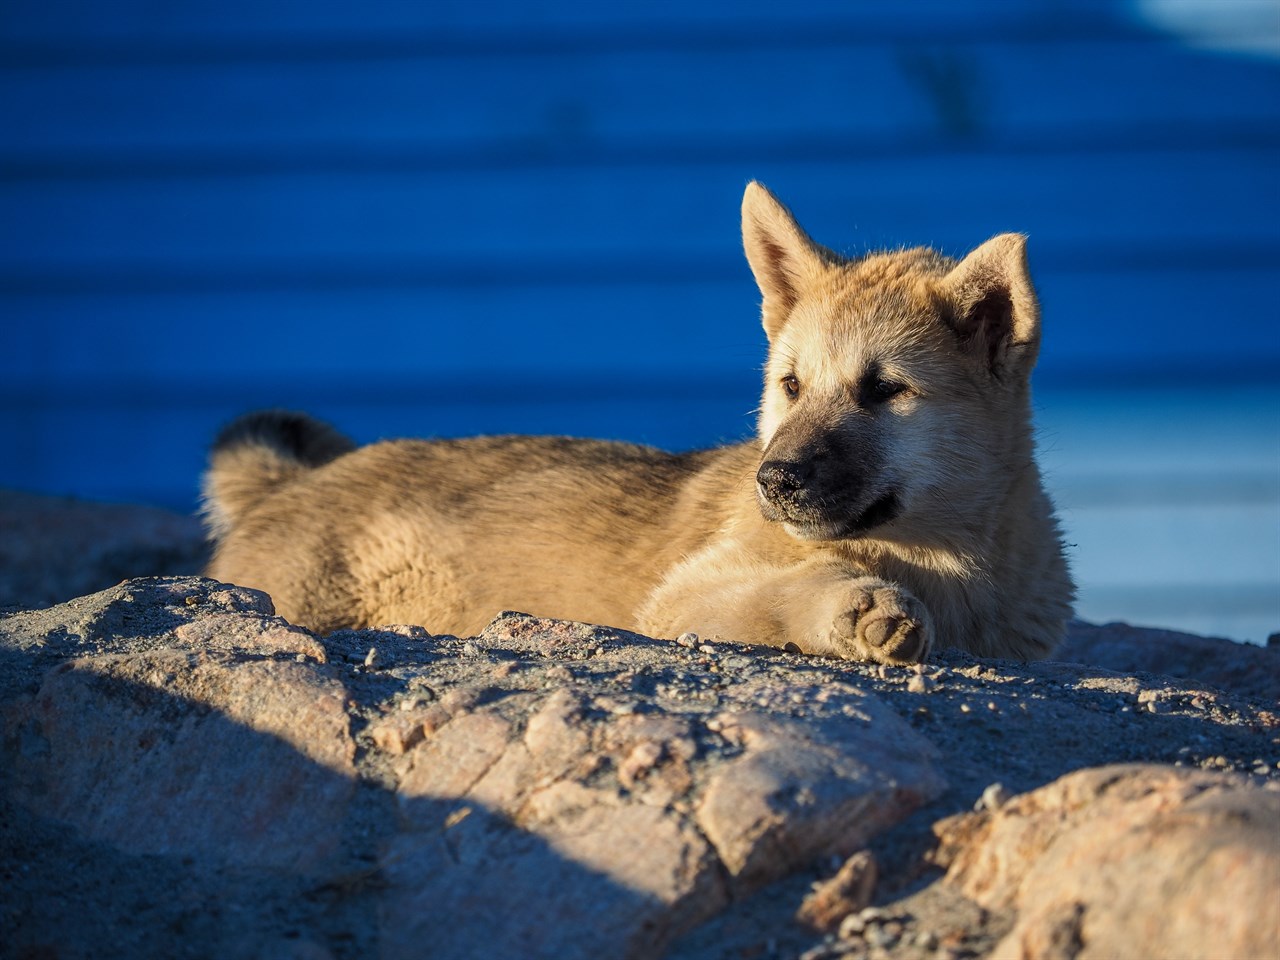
(228, 230)
(154, 453)
(397, 343)
(437, 104)
(203, 23)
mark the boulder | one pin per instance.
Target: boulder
(1240, 668)
(610, 791)
(1127, 861)
(56, 548)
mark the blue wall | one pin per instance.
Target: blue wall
(451, 217)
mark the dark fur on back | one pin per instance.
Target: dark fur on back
(257, 453)
(295, 435)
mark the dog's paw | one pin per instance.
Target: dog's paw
(882, 622)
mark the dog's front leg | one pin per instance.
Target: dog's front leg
(815, 606)
(866, 618)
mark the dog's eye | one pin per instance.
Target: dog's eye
(792, 387)
(883, 389)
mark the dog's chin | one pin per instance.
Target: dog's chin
(814, 531)
(881, 511)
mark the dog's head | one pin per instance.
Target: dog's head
(896, 390)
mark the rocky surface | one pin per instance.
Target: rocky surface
(1127, 861)
(182, 773)
(56, 548)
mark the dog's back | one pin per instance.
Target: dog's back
(448, 532)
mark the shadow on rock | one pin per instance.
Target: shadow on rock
(179, 763)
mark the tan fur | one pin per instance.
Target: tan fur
(891, 504)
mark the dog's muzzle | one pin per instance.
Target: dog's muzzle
(781, 480)
(791, 493)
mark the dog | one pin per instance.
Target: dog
(890, 503)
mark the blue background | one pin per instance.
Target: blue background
(419, 218)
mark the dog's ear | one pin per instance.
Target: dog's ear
(992, 306)
(782, 257)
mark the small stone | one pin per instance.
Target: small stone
(371, 658)
(879, 936)
(919, 684)
(706, 648)
(848, 892)
(964, 708)
(993, 797)
(410, 630)
(688, 640)
(396, 735)
(558, 674)
(851, 926)
(643, 758)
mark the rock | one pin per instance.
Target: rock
(1130, 860)
(635, 801)
(56, 548)
(609, 791)
(846, 893)
(1239, 668)
(197, 741)
(809, 784)
(177, 761)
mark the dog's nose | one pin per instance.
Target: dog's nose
(781, 478)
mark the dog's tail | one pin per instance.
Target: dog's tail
(258, 453)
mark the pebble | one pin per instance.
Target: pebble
(919, 684)
(994, 797)
(371, 658)
(881, 937)
(851, 926)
